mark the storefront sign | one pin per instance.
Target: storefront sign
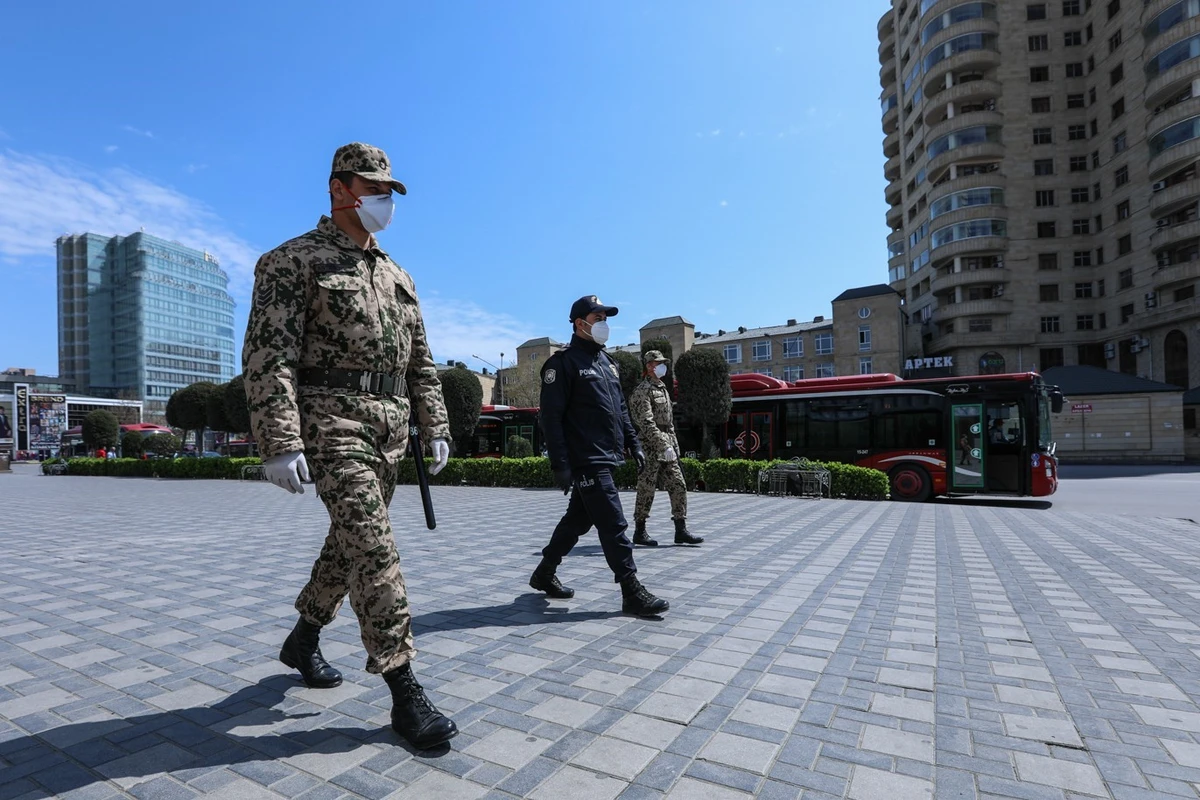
(940, 362)
(991, 363)
(1081, 408)
(23, 417)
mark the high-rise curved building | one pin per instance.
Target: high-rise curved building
(1042, 187)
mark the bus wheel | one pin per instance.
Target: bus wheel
(910, 484)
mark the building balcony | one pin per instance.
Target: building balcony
(971, 277)
(960, 93)
(983, 151)
(1169, 313)
(887, 73)
(1174, 234)
(1176, 113)
(897, 261)
(1175, 274)
(891, 144)
(954, 341)
(1170, 81)
(996, 179)
(894, 192)
(891, 169)
(1173, 158)
(982, 245)
(887, 47)
(974, 308)
(979, 25)
(1184, 30)
(891, 120)
(1165, 200)
(886, 26)
(895, 217)
(957, 123)
(979, 60)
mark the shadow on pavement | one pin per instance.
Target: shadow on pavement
(996, 502)
(1084, 472)
(71, 757)
(527, 609)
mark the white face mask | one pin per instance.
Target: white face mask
(660, 370)
(600, 332)
(375, 211)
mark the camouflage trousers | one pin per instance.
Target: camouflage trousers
(360, 559)
(671, 476)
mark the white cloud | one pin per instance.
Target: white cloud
(112, 201)
(192, 169)
(459, 329)
(112, 148)
(710, 311)
(717, 132)
(137, 131)
(724, 203)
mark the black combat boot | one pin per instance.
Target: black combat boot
(636, 599)
(640, 536)
(413, 716)
(544, 580)
(682, 536)
(300, 651)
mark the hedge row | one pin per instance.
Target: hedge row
(715, 475)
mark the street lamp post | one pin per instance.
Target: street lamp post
(499, 377)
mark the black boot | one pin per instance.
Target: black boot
(413, 716)
(682, 536)
(640, 536)
(544, 580)
(636, 599)
(300, 651)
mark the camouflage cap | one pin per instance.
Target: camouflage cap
(654, 355)
(367, 162)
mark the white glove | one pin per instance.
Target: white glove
(441, 454)
(669, 454)
(287, 470)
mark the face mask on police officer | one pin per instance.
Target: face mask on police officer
(660, 370)
(599, 331)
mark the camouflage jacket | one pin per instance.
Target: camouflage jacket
(650, 408)
(320, 300)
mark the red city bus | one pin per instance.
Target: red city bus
(72, 438)
(978, 434)
(497, 424)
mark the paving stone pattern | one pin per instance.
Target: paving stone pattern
(816, 649)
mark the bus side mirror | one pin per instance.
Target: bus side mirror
(1056, 401)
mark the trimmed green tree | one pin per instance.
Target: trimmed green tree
(131, 445)
(705, 396)
(187, 409)
(218, 420)
(667, 351)
(630, 369)
(162, 444)
(463, 394)
(237, 409)
(518, 447)
(101, 429)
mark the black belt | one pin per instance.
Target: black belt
(358, 380)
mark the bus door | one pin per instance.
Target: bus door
(971, 459)
(750, 434)
(1005, 445)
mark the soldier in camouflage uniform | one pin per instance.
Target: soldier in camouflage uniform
(335, 352)
(651, 411)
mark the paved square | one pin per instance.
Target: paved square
(813, 649)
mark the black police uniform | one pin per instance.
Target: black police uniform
(587, 428)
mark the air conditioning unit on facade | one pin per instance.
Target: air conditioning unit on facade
(1110, 350)
(1143, 342)
(1164, 259)
(1135, 348)
(1151, 300)
(1159, 186)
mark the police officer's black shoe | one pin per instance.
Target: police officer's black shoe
(640, 536)
(636, 599)
(544, 580)
(300, 651)
(682, 536)
(413, 716)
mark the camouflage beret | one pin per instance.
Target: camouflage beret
(366, 162)
(653, 355)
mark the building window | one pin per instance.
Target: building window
(793, 373)
(733, 353)
(1085, 322)
(1119, 143)
(824, 370)
(1039, 74)
(766, 371)
(1078, 163)
(1126, 313)
(1096, 190)
(1047, 260)
(1121, 176)
(1050, 325)
(793, 347)
(1125, 244)
(1045, 230)
(980, 325)
(1043, 136)
(1080, 194)
(1091, 91)
(1095, 127)
(824, 343)
(1115, 76)
(1048, 292)
(1113, 8)
(1050, 357)
(1043, 166)
(1125, 279)
(1083, 258)
(1044, 197)
(1083, 291)
(1076, 132)
(762, 350)
(1075, 101)
(1039, 43)
(1035, 11)
(1123, 210)
(1099, 256)
(1075, 70)
(864, 366)
(1095, 159)
(864, 337)
(1100, 288)
(1118, 108)
(1039, 105)
(1070, 8)
(1114, 42)
(1081, 227)
(1186, 293)
(1073, 38)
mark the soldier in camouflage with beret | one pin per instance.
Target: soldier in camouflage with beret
(651, 411)
(335, 353)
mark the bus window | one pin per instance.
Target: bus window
(907, 423)
(1004, 422)
(844, 426)
(793, 428)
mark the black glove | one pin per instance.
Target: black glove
(640, 458)
(562, 479)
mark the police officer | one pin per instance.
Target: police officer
(587, 430)
(335, 348)
(650, 408)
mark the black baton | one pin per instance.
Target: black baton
(414, 441)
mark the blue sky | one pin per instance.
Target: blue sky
(719, 160)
